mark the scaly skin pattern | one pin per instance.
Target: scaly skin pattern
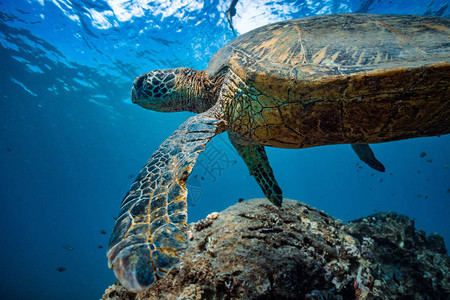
(150, 233)
(179, 89)
(258, 165)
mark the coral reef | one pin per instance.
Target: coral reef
(254, 250)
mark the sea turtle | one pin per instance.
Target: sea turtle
(334, 79)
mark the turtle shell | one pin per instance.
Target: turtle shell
(335, 79)
(286, 59)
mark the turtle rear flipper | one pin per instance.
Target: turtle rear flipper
(255, 158)
(150, 234)
(366, 155)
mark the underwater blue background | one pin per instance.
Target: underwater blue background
(71, 141)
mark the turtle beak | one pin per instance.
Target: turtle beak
(133, 95)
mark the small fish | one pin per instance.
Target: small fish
(372, 174)
(381, 179)
(426, 197)
(131, 176)
(100, 247)
(67, 247)
(418, 171)
(422, 154)
(61, 269)
(202, 178)
(448, 191)
(419, 196)
(8, 149)
(103, 231)
(429, 160)
(241, 200)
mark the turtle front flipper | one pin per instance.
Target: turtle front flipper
(150, 234)
(366, 155)
(258, 165)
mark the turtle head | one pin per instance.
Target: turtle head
(172, 90)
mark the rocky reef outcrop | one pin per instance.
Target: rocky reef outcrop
(254, 250)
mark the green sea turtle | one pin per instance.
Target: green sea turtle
(334, 79)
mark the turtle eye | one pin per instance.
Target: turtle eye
(139, 82)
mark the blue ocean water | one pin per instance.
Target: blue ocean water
(71, 142)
